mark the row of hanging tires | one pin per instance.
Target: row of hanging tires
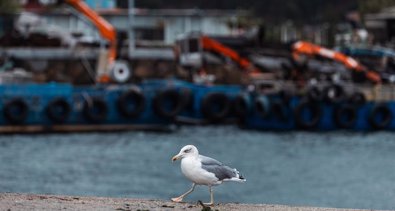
(346, 111)
(344, 116)
(166, 104)
(308, 113)
(60, 109)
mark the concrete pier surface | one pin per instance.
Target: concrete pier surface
(16, 201)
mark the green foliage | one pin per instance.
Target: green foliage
(8, 6)
(302, 11)
(370, 6)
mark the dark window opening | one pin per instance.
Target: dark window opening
(150, 34)
(193, 45)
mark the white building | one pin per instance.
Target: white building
(163, 25)
(382, 25)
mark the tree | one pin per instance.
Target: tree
(303, 11)
(366, 6)
(8, 7)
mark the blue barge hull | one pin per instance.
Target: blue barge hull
(162, 104)
(24, 108)
(321, 116)
(194, 97)
(153, 104)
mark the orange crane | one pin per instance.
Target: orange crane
(309, 49)
(106, 30)
(210, 44)
(205, 43)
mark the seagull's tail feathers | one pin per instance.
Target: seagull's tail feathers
(237, 177)
(242, 178)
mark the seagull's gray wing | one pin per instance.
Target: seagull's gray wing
(217, 168)
(209, 161)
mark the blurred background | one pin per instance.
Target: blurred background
(97, 96)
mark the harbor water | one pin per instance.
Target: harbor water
(340, 169)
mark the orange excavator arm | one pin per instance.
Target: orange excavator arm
(215, 46)
(106, 30)
(310, 49)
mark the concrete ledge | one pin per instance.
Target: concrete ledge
(14, 201)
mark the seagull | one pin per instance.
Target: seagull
(202, 170)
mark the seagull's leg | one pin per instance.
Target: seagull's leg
(211, 197)
(180, 198)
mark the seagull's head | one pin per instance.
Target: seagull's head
(188, 150)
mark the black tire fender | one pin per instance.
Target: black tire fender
(162, 99)
(316, 114)
(384, 113)
(16, 111)
(58, 110)
(215, 106)
(95, 109)
(131, 103)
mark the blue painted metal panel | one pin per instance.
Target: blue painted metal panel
(100, 4)
(326, 123)
(37, 97)
(201, 91)
(372, 52)
(194, 110)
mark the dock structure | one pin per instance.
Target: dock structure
(15, 202)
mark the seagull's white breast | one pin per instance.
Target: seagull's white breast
(191, 167)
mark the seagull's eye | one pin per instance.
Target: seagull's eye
(187, 150)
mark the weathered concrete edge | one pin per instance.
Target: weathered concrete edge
(16, 201)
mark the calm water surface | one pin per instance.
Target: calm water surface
(345, 170)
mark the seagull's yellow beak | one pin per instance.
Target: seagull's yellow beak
(176, 157)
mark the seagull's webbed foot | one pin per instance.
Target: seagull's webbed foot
(209, 204)
(180, 198)
(177, 199)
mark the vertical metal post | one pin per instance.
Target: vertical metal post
(131, 37)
